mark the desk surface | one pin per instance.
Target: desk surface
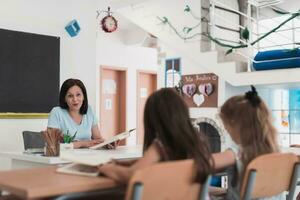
(37, 158)
(87, 155)
(96, 157)
(45, 182)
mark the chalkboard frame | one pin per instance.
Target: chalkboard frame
(30, 66)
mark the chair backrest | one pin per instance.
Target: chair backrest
(33, 140)
(167, 180)
(269, 175)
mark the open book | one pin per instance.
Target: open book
(115, 138)
(85, 161)
(79, 169)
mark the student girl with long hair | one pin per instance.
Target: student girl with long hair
(248, 121)
(169, 135)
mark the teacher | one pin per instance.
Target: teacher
(74, 115)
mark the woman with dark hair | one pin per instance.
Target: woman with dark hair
(169, 135)
(74, 115)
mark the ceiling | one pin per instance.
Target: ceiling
(126, 25)
(290, 5)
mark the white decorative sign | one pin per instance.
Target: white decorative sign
(109, 86)
(144, 92)
(108, 104)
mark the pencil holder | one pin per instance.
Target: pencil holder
(52, 149)
(52, 138)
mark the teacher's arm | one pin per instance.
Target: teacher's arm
(96, 139)
(96, 135)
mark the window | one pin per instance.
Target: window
(285, 108)
(172, 72)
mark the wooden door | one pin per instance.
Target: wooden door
(112, 101)
(146, 85)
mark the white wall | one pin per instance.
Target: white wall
(111, 51)
(189, 66)
(77, 55)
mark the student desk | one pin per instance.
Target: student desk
(43, 182)
(39, 183)
(20, 160)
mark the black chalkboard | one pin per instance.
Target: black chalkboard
(29, 72)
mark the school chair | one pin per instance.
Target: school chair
(270, 175)
(167, 180)
(116, 193)
(33, 139)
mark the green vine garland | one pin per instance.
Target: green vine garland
(244, 33)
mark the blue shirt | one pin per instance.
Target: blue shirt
(60, 118)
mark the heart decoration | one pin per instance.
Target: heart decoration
(206, 89)
(189, 89)
(198, 99)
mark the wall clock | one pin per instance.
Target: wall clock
(109, 24)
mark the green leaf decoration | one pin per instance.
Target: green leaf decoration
(187, 9)
(229, 51)
(245, 34)
(187, 30)
(165, 20)
(280, 11)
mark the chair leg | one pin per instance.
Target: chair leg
(249, 186)
(294, 183)
(137, 191)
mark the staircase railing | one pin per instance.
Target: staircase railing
(254, 26)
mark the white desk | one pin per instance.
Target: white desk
(96, 157)
(19, 160)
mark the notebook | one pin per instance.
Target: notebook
(115, 138)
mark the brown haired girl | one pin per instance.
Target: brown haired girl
(248, 121)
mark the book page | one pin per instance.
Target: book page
(115, 138)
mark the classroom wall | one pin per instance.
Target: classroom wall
(188, 66)
(77, 58)
(111, 51)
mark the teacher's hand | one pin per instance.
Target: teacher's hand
(87, 144)
(112, 145)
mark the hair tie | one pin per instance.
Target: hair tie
(253, 97)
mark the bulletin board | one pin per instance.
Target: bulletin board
(200, 90)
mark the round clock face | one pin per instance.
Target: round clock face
(109, 24)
